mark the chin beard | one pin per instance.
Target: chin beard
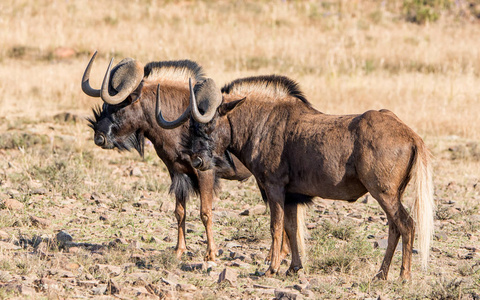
(135, 141)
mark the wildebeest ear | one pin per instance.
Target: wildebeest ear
(225, 108)
(135, 95)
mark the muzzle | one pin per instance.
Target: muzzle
(99, 139)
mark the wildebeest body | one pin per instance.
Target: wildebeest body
(127, 117)
(291, 148)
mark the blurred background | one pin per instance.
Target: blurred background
(418, 58)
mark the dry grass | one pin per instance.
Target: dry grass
(362, 58)
(348, 56)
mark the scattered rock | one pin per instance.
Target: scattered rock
(38, 191)
(117, 242)
(192, 267)
(5, 276)
(63, 238)
(136, 172)
(185, 287)
(228, 275)
(8, 246)
(40, 222)
(87, 283)
(101, 289)
(355, 215)
(256, 210)
(440, 236)
(233, 245)
(13, 204)
(113, 287)
(383, 243)
(283, 294)
(17, 288)
(145, 204)
(72, 266)
(111, 270)
(4, 235)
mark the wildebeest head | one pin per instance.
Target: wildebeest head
(114, 122)
(206, 146)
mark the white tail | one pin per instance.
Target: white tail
(301, 229)
(424, 206)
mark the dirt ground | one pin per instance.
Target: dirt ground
(81, 222)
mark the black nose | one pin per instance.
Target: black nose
(99, 139)
(197, 162)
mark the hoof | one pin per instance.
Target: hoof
(210, 256)
(179, 253)
(405, 277)
(270, 273)
(293, 271)
(380, 276)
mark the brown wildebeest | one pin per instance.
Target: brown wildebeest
(127, 117)
(292, 148)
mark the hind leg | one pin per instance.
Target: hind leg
(402, 225)
(283, 252)
(393, 237)
(291, 229)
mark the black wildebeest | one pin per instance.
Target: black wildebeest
(290, 147)
(127, 117)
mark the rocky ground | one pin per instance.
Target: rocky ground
(77, 221)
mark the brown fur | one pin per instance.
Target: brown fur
(292, 148)
(124, 126)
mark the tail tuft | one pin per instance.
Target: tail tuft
(424, 206)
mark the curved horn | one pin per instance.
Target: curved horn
(212, 107)
(122, 94)
(167, 124)
(86, 88)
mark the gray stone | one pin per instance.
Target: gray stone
(63, 238)
(101, 289)
(233, 245)
(192, 267)
(383, 243)
(228, 275)
(39, 191)
(136, 172)
(441, 236)
(283, 294)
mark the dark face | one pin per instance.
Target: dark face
(201, 143)
(208, 143)
(117, 126)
